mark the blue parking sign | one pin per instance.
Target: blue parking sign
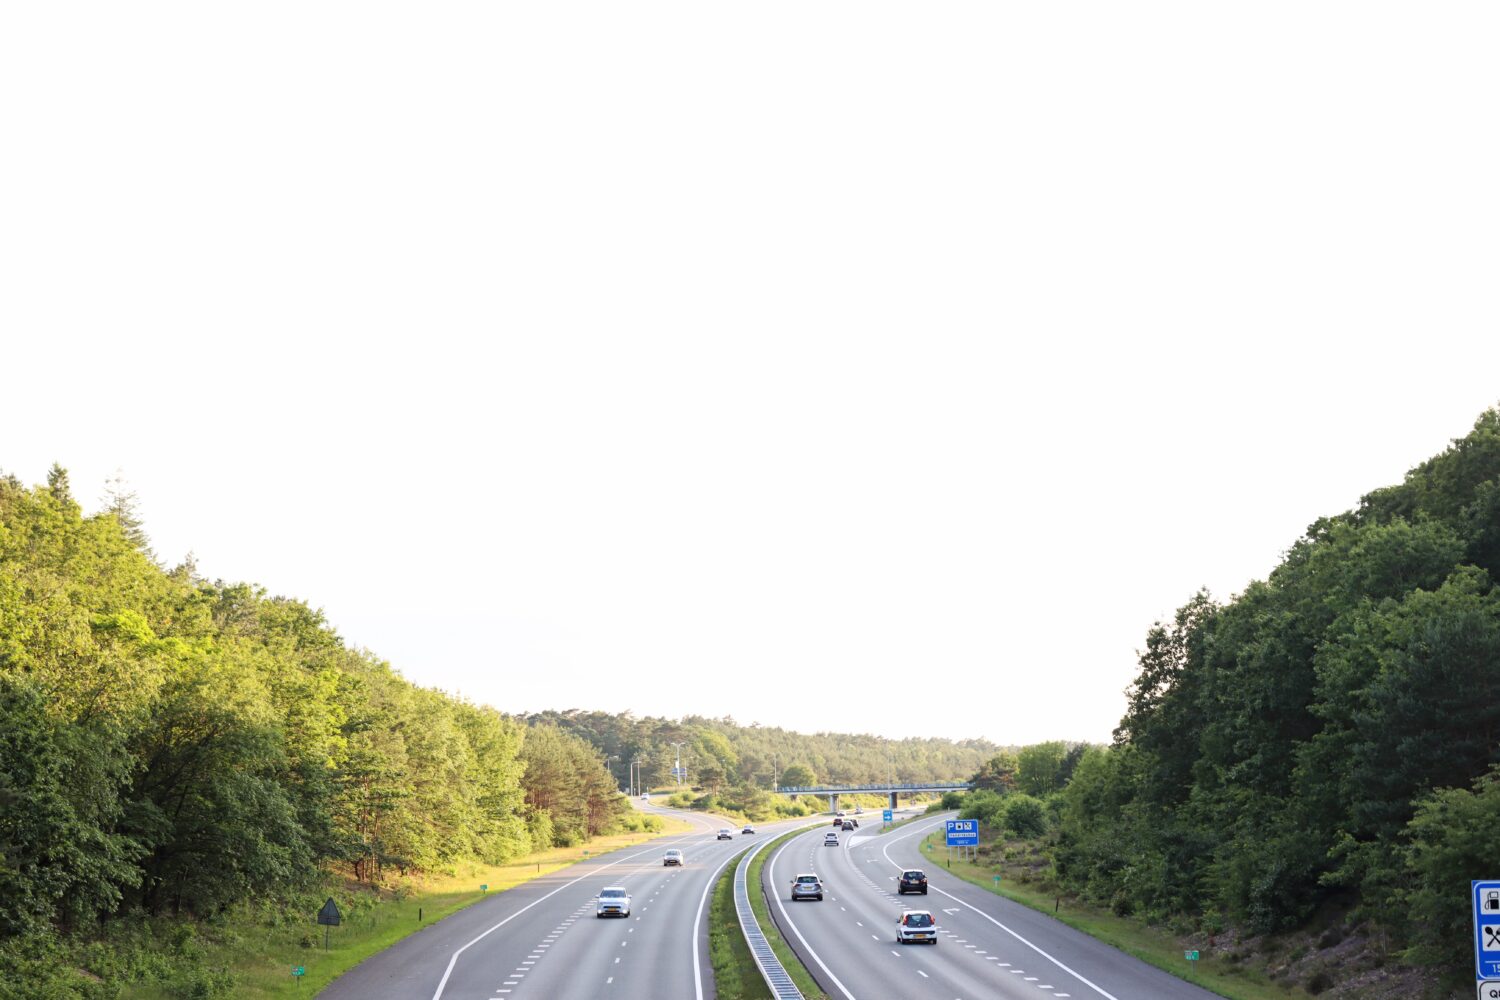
(1486, 930)
(963, 833)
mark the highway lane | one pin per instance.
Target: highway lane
(989, 947)
(541, 939)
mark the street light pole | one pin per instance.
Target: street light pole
(634, 788)
(677, 764)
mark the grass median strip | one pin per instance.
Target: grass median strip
(1152, 945)
(736, 976)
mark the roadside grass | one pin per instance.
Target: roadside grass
(762, 910)
(1220, 973)
(259, 948)
(736, 976)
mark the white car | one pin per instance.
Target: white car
(831, 840)
(726, 834)
(612, 901)
(918, 926)
(672, 857)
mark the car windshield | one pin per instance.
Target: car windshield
(913, 875)
(612, 894)
(807, 878)
(919, 920)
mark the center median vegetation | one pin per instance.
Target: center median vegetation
(736, 975)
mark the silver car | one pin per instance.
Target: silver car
(672, 857)
(612, 901)
(807, 887)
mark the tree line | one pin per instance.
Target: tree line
(1329, 738)
(170, 744)
(721, 754)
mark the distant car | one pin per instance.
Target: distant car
(672, 857)
(831, 840)
(912, 880)
(645, 796)
(612, 901)
(726, 834)
(859, 811)
(837, 821)
(848, 825)
(916, 925)
(748, 829)
(807, 887)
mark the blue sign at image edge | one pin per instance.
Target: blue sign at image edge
(1485, 968)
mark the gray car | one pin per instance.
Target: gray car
(807, 886)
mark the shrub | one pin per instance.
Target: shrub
(1025, 816)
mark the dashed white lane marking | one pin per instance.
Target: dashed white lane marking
(923, 974)
(610, 979)
(895, 952)
(617, 961)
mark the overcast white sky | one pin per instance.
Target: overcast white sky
(845, 366)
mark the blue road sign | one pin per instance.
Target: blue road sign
(1486, 930)
(885, 815)
(963, 833)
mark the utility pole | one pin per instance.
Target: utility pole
(677, 765)
(634, 781)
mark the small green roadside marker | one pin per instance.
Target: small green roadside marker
(1191, 956)
(997, 880)
(299, 972)
(484, 887)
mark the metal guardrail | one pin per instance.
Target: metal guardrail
(771, 969)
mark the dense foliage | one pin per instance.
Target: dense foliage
(1329, 735)
(168, 744)
(720, 753)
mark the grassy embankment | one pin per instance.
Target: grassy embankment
(1154, 945)
(735, 973)
(261, 953)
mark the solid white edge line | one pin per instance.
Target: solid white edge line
(793, 925)
(453, 959)
(1078, 976)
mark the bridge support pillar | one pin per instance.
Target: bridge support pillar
(833, 802)
(893, 800)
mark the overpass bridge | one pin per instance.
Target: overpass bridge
(834, 791)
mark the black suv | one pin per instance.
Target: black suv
(912, 880)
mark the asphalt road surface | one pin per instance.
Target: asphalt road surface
(541, 939)
(989, 948)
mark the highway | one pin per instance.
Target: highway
(541, 939)
(989, 948)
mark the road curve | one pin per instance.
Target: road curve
(541, 939)
(989, 949)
